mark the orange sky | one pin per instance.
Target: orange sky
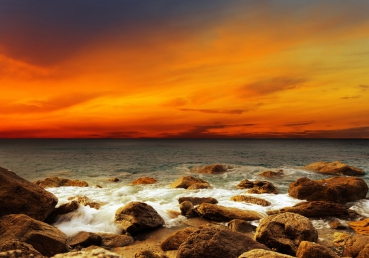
(184, 69)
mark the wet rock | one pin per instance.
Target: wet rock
(270, 173)
(197, 186)
(173, 241)
(257, 187)
(113, 240)
(334, 168)
(186, 208)
(284, 232)
(113, 179)
(260, 253)
(212, 242)
(88, 253)
(18, 196)
(85, 201)
(340, 239)
(136, 217)
(186, 181)
(222, 213)
(240, 226)
(315, 209)
(357, 246)
(335, 224)
(250, 199)
(62, 209)
(149, 254)
(26, 250)
(58, 181)
(144, 181)
(198, 200)
(361, 226)
(335, 189)
(211, 169)
(85, 239)
(313, 250)
(46, 239)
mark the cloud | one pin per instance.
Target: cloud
(299, 123)
(177, 102)
(364, 88)
(350, 97)
(215, 111)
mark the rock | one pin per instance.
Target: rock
(270, 173)
(85, 201)
(173, 241)
(136, 217)
(335, 189)
(27, 250)
(312, 250)
(18, 196)
(186, 181)
(335, 224)
(57, 182)
(240, 226)
(149, 254)
(340, 239)
(198, 200)
(196, 186)
(357, 246)
(211, 169)
(260, 253)
(221, 213)
(85, 239)
(212, 242)
(315, 209)
(46, 239)
(257, 187)
(250, 199)
(62, 209)
(113, 240)
(113, 179)
(334, 168)
(186, 208)
(88, 253)
(284, 232)
(144, 181)
(361, 226)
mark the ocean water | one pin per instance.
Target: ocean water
(96, 160)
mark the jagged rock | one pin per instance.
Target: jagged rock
(315, 209)
(85, 239)
(240, 226)
(257, 187)
(186, 181)
(361, 226)
(113, 240)
(136, 217)
(186, 208)
(88, 253)
(18, 196)
(211, 169)
(149, 254)
(26, 250)
(46, 239)
(173, 241)
(284, 232)
(114, 179)
(312, 250)
(357, 246)
(143, 181)
(85, 201)
(334, 168)
(221, 213)
(58, 181)
(260, 253)
(250, 199)
(270, 173)
(62, 209)
(196, 186)
(198, 200)
(335, 189)
(212, 242)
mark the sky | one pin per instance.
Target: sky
(184, 69)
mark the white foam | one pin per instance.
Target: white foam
(361, 207)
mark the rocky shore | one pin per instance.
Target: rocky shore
(28, 211)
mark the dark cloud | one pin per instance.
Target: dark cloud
(299, 123)
(215, 111)
(350, 97)
(364, 88)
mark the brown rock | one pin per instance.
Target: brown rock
(57, 182)
(198, 200)
(240, 226)
(186, 181)
(284, 232)
(357, 246)
(144, 181)
(334, 168)
(335, 189)
(46, 239)
(62, 209)
(260, 253)
(149, 254)
(361, 226)
(88, 253)
(315, 209)
(113, 179)
(186, 208)
(270, 173)
(336, 225)
(113, 240)
(17, 195)
(196, 186)
(221, 213)
(27, 250)
(340, 239)
(136, 217)
(212, 242)
(257, 187)
(211, 169)
(313, 250)
(250, 199)
(85, 201)
(85, 239)
(173, 241)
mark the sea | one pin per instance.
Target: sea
(166, 160)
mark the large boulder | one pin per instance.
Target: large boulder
(257, 187)
(260, 253)
(144, 181)
(335, 189)
(284, 232)
(17, 195)
(211, 169)
(26, 250)
(212, 242)
(222, 213)
(357, 247)
(186, 182)
(312, 250)
(198, 200)
(46, 239)
(334, 168)
(173, 241)
(58, 181)
(136, 217)
(250, 199)
(361, 226)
